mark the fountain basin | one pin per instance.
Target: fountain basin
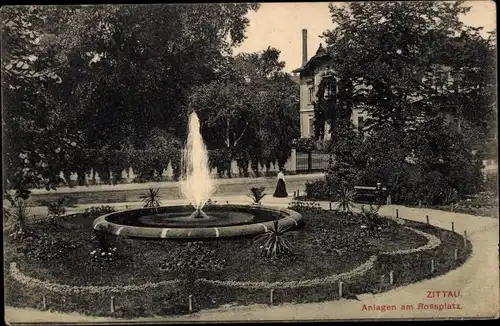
(174, 222)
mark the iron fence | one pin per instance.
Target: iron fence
(312, 162)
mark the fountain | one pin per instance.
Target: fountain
(196, 184)
(196, 220)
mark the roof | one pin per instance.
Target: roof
(295, 79)
(321, 55)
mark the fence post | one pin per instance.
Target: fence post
(452, 207)
(330, 205)
(112, 304)
(298, 192)
(432, 265)
(465, 239)
(190, 302)
(272, 297)
(397, 213)
(391, 277)
(340, 289)
(456, 254)
(44, 302)
(295, 194)
(452, 227)
(389, 202)
(427, 218)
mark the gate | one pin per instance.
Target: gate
(312, 162)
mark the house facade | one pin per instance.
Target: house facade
(311, 73)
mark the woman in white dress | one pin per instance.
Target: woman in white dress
(280, 186)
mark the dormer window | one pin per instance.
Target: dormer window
(328, 72)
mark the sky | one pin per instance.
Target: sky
(280, 25)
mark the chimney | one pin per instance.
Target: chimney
(304, 47)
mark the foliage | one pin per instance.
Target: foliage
(304, 144)
(348, 156)
(396, 59)
(96, 211)
(194, 257)
(252, 104)
(257, 194)
(482, 204)
(16, 216)
(403, 74)
(491, 183)
(275, 243)
(71, 78)
(374, 220)
(56, 208)
(332, 242)
(151, 198)
(305, 207)
(49, 248)
(434, 165)
(38, 132)
(345, 198)
(318, 189)
(370, 213)
(100, 256)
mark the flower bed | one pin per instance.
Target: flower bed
(313, 275)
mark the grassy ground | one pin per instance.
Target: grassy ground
(329, 243)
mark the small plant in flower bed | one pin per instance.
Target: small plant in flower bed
(345, 198)
(482, 204)
(375, 222)
(275, 242)
(328, 241)
(318, 189)
(47, 247)
(305, 207)
(192, 258)
(257, 193)
(101, 256)
(106, 249)
(151, 198)
(55, 208)
(96, 211)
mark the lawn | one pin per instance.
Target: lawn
(328, 243)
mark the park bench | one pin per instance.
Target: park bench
(366, 194)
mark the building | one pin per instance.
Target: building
(311, 73)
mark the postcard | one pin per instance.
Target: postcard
(250, 162)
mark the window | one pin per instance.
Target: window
(311, 126)
(311, 93)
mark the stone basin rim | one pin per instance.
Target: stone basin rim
(289, 218)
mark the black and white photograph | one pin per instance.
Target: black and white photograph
(250, 162)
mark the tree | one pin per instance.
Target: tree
(38, 132)
(395, 59)
(252, 113)
(279, 124)
(348, 158)
(407, 64)
(121, 71)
